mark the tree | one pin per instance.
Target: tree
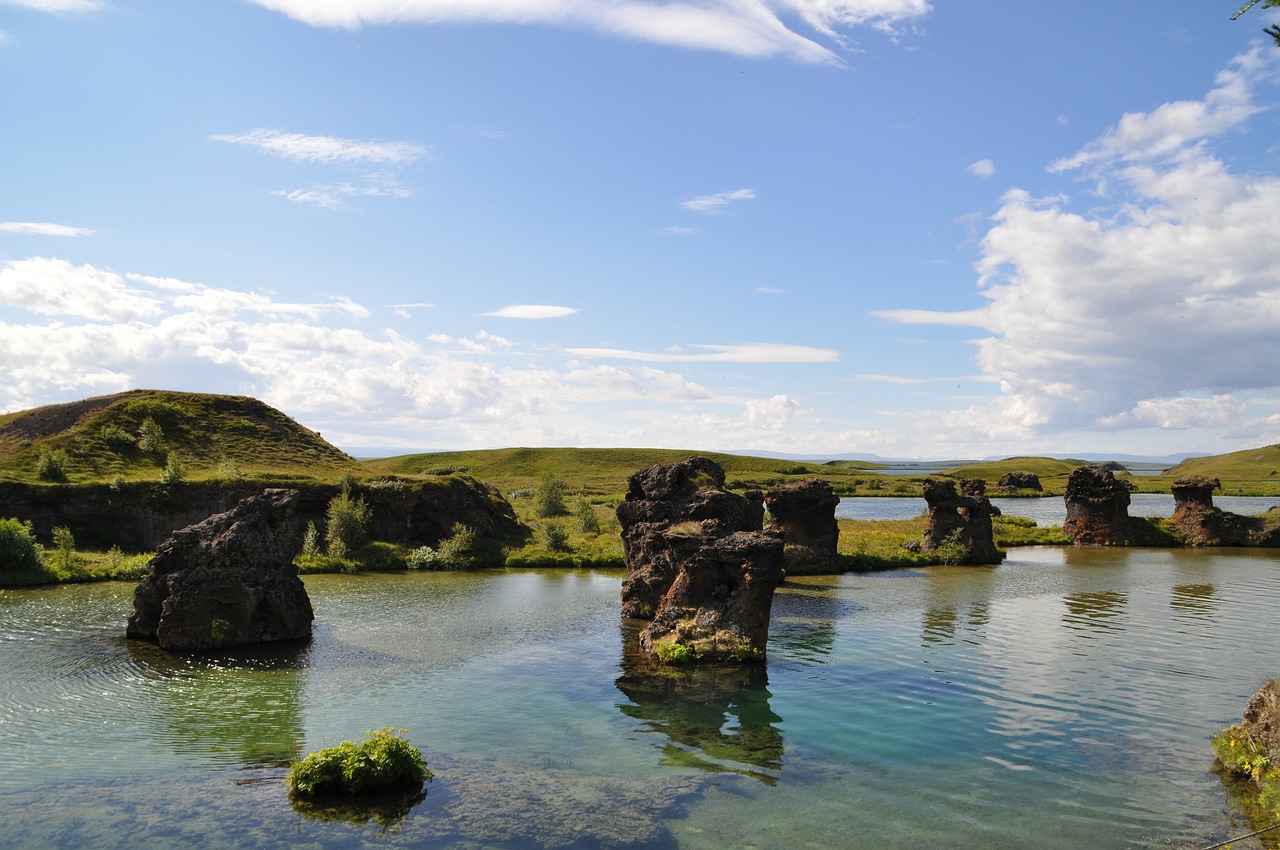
(1274, 30)
(550, 499)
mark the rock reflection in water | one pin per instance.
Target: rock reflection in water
(384, 810)
(714, 717)
(246, 705)
(1093, 611)
(1193, 599)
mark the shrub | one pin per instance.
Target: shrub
(52, 465)
(550, 501)
(588, 521)
(151, 438)
(229, 470)
(310, 541)
(19, 552)
(555, 537)
(422, 558)
(458, 550)
(65, 560)
(953, 550)
(384, 761)
(347, 521)
(174, 472)
(674, 653)
(117, 438)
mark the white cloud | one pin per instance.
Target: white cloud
(533, 311)
(888, 379)
(1161, 312)
(328, 150)
(53, 287)
(759, 352)
(769, 290)
(713, 204)
(982, 168)
(743, 27)
(33, 228)
(681, 231)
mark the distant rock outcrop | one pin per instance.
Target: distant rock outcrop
(961, 519)
(227, 581)
(1097, 508)
(699, 567)
(1199, 523)
(805, 514)
(1020, 481)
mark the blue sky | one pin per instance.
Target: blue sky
(913, 228)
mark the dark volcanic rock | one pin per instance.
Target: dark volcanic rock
(1020, 481)
(227, 581)
(1199, 523)
(1097, 508)
(805, 514)
(963, 517)
(699, 566)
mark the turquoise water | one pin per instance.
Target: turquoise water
(1062, 699)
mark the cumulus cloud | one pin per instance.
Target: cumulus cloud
(715, 204)
(74, 330)
(533, 311)
(1159, 312)
(34, 228)
(743, 27)
(982, 168)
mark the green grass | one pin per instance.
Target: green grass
(210, 437)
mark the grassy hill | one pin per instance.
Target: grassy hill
(1251, 469)
(137, 435)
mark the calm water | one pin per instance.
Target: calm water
(1051, 510)
(1061, 700)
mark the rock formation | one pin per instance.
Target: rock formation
(1097, 508)
(960, 519)
(1020, 481)
(699, 567)
(1262, 716)
(1199, 523)
(227, 581)
(805, 514)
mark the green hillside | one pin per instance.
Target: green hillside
(1251, 469)
(140, 434)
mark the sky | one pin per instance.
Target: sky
(907, 228)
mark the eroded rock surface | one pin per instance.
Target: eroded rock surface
(805, 514)
(699, 566)
(227, 581)
(1199, 523)
(1262, 714)
(1020, 481)
(1097, 508)
(962, 518)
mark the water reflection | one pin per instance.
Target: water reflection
(1093, 612)
(245, 706)
(384, 810)
(716, 718)
(1196, 600)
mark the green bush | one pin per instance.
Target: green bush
(458, 550)
(422, 558)
(19, 552)
(384, 761)
(674, 653)
(174, 472)
(310, 541)
(64, 557)
(151, 438)
(550, 499)
(117, 438)
(555, 537)
(347, 520)
(52, 466)
(588, 520)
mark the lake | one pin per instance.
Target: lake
(1050, 510)
(1063, 699)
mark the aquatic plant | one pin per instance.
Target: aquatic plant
(384, 761)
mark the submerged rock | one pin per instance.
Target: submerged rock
(227, 581)
(699, 567)
(961, 519)
(805, 514)
(1097, 508)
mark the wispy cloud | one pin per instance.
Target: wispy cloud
(330, 150)
(983, 168)
(34, 228)
(681, 231)
(57, 5)
(713, 204)
(533, 311)
(769, 290)
(743, 27)
(756, 352)
(889, 379)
